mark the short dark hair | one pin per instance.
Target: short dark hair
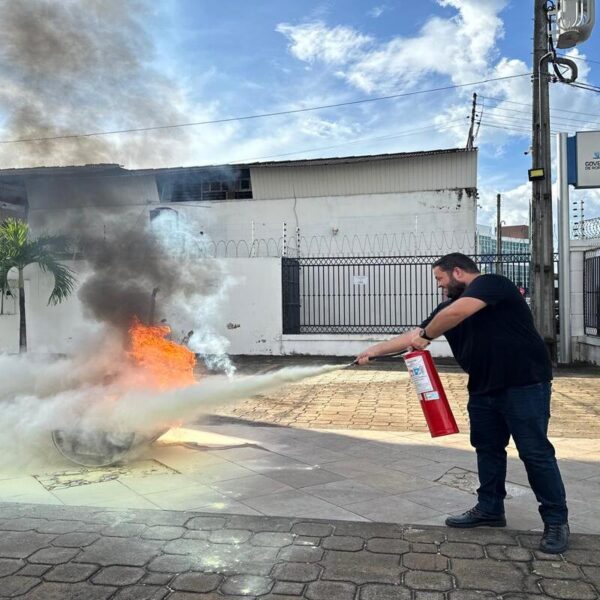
(449, 262)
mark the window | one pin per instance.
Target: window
(211, 183)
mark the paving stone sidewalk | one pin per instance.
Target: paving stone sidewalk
(68, 553)
(380, 396)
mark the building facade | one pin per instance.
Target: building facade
(421, 203)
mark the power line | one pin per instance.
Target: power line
(576, 112)
(515, 120)
(514, 123)
(506, 128)
(262, 115)
(447, 125)
(511, 123)
(399, 134)
(510, 110)
(517, 127)
(555, 119)
(583, 86)
(579, 58)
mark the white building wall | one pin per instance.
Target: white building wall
(9, 334)
(250, 318)
(50, 329)
(404, 205)
(417, 222)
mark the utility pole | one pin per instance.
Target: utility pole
(471, 137)
(542, 254)
(498, 235)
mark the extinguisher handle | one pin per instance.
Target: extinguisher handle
(385, 356)
(392, 356)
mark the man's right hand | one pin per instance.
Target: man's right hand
(363, 357)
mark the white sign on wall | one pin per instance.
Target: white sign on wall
(588, 159)
(360, 279)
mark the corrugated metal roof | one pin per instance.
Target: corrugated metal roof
(310, 162)
(66, 170)
(414, 172)
(99, 168)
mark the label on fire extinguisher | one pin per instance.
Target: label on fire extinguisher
(418, 374)
(431, 396)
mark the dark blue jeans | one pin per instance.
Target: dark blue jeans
(522, 412)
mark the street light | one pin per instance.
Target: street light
(574, 22)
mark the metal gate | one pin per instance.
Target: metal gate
(387, 294)
(591, 292)
(290, 279)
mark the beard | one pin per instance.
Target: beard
(455, 289)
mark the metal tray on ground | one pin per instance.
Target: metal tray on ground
(94, 448)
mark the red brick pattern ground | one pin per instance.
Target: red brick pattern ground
(380, 396)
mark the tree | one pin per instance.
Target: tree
(4, 288)
(17, 250)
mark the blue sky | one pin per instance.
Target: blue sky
(194, 60)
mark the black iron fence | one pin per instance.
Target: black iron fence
(387, 294)
(591, 292)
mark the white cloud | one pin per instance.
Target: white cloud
(377, 11)
(460, 47)
(515, 205)
(514, 208)
(316, 41)
(330, 130)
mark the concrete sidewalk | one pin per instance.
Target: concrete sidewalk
(60, 553)
(238, 467)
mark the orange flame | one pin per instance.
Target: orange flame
(167, 364)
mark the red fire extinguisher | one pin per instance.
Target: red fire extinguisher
(434, 402)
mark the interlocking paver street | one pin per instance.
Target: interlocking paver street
(380, 396)
(352, 561)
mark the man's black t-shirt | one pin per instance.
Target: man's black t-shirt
(498, 346)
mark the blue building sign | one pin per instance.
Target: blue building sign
(583, 159)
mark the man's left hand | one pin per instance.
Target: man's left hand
(419, 343)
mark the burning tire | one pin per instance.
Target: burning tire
(90, 448)
(164, 365)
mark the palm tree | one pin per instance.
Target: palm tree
(17, 250)
(3, 283)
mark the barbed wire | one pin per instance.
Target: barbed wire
(385, 244)
(589, 228)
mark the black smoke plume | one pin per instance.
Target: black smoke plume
(79, 66)
(128, 262)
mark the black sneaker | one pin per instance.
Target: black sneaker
(475, 518)
(555, 539)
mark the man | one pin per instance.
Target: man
(491, 333)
